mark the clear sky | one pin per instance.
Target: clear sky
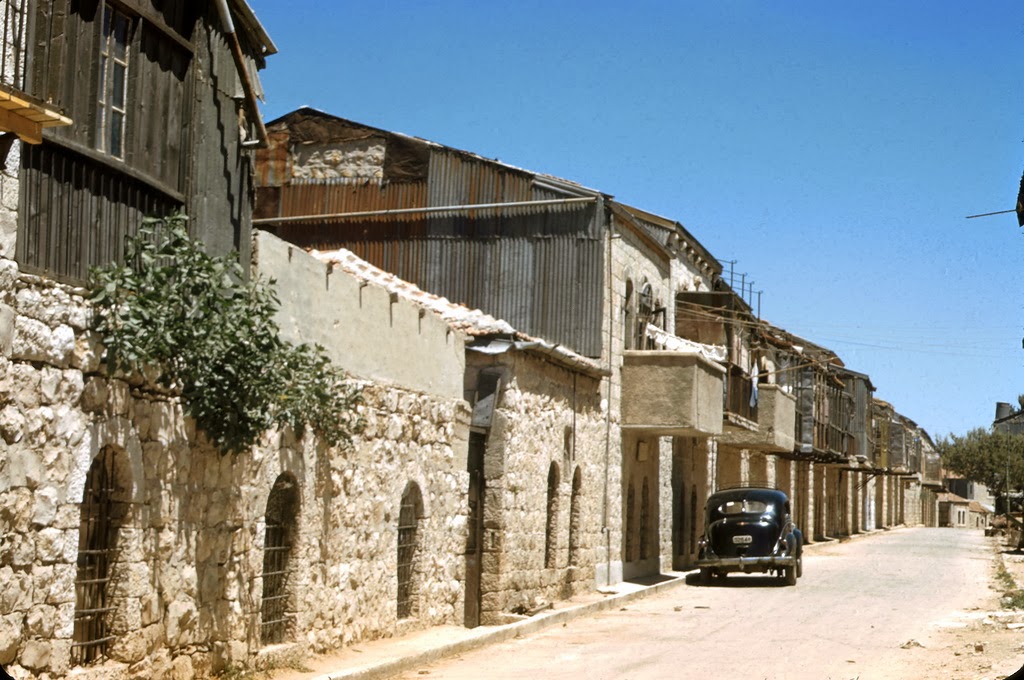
(832, 150)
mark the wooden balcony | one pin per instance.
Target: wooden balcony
(25, 117)
(671, 393)
(775, 426)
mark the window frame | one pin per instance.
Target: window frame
(111, 137)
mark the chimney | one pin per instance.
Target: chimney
(1003, 410)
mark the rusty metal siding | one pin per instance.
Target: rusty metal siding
(541, 268)
(455, 179)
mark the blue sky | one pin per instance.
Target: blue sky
(832, 150)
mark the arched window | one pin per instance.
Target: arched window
(278, 539)
(645, 514)
(104, 508)
(630, 521)
(645, 315)
(575, 513)
(628, 331)
(551, 528)
(409, 514)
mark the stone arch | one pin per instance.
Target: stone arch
(551, 523)
(575, 518)
(278, 600)
(410, 537)
(105, 508)
(120, 434)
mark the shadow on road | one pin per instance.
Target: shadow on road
(737, 581)
(652, 579)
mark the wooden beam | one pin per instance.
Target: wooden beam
(28, 131)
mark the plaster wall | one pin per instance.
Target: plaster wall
(364, 328)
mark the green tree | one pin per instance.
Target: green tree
(993, 458)
(211, 335)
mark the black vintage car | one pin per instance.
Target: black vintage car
(750, 530)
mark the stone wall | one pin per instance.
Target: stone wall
(546, 416)
(186, 583)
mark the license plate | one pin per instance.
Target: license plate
(742, 539)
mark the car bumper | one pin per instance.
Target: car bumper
(747, 563)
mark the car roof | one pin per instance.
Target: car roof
(758, 492)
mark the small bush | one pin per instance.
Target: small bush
(211, 335)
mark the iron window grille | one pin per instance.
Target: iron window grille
(97, 551)
(645, 513)
(408, 550)
(575, 517)
(551, 525)
(282, 506)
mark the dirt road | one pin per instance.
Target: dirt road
(911, 603)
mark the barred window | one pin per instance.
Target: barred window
(277, 621)
(410, 512)
(551, 528)
(645, 514)
(102, 513)
(575, 513)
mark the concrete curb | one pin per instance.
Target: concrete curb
(492, 635)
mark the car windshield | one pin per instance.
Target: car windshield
(745, 506)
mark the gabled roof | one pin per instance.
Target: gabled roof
(669, 234)
(247, 19)
(307, 124)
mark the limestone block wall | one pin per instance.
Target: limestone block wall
(186, 583)
(545, 416)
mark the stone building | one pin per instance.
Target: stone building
(555, 259)
(503, 464)
(535, 457)
(699, 393)
(129, 547)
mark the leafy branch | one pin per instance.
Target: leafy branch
(211, 335)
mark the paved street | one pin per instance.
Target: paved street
(851, 616)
